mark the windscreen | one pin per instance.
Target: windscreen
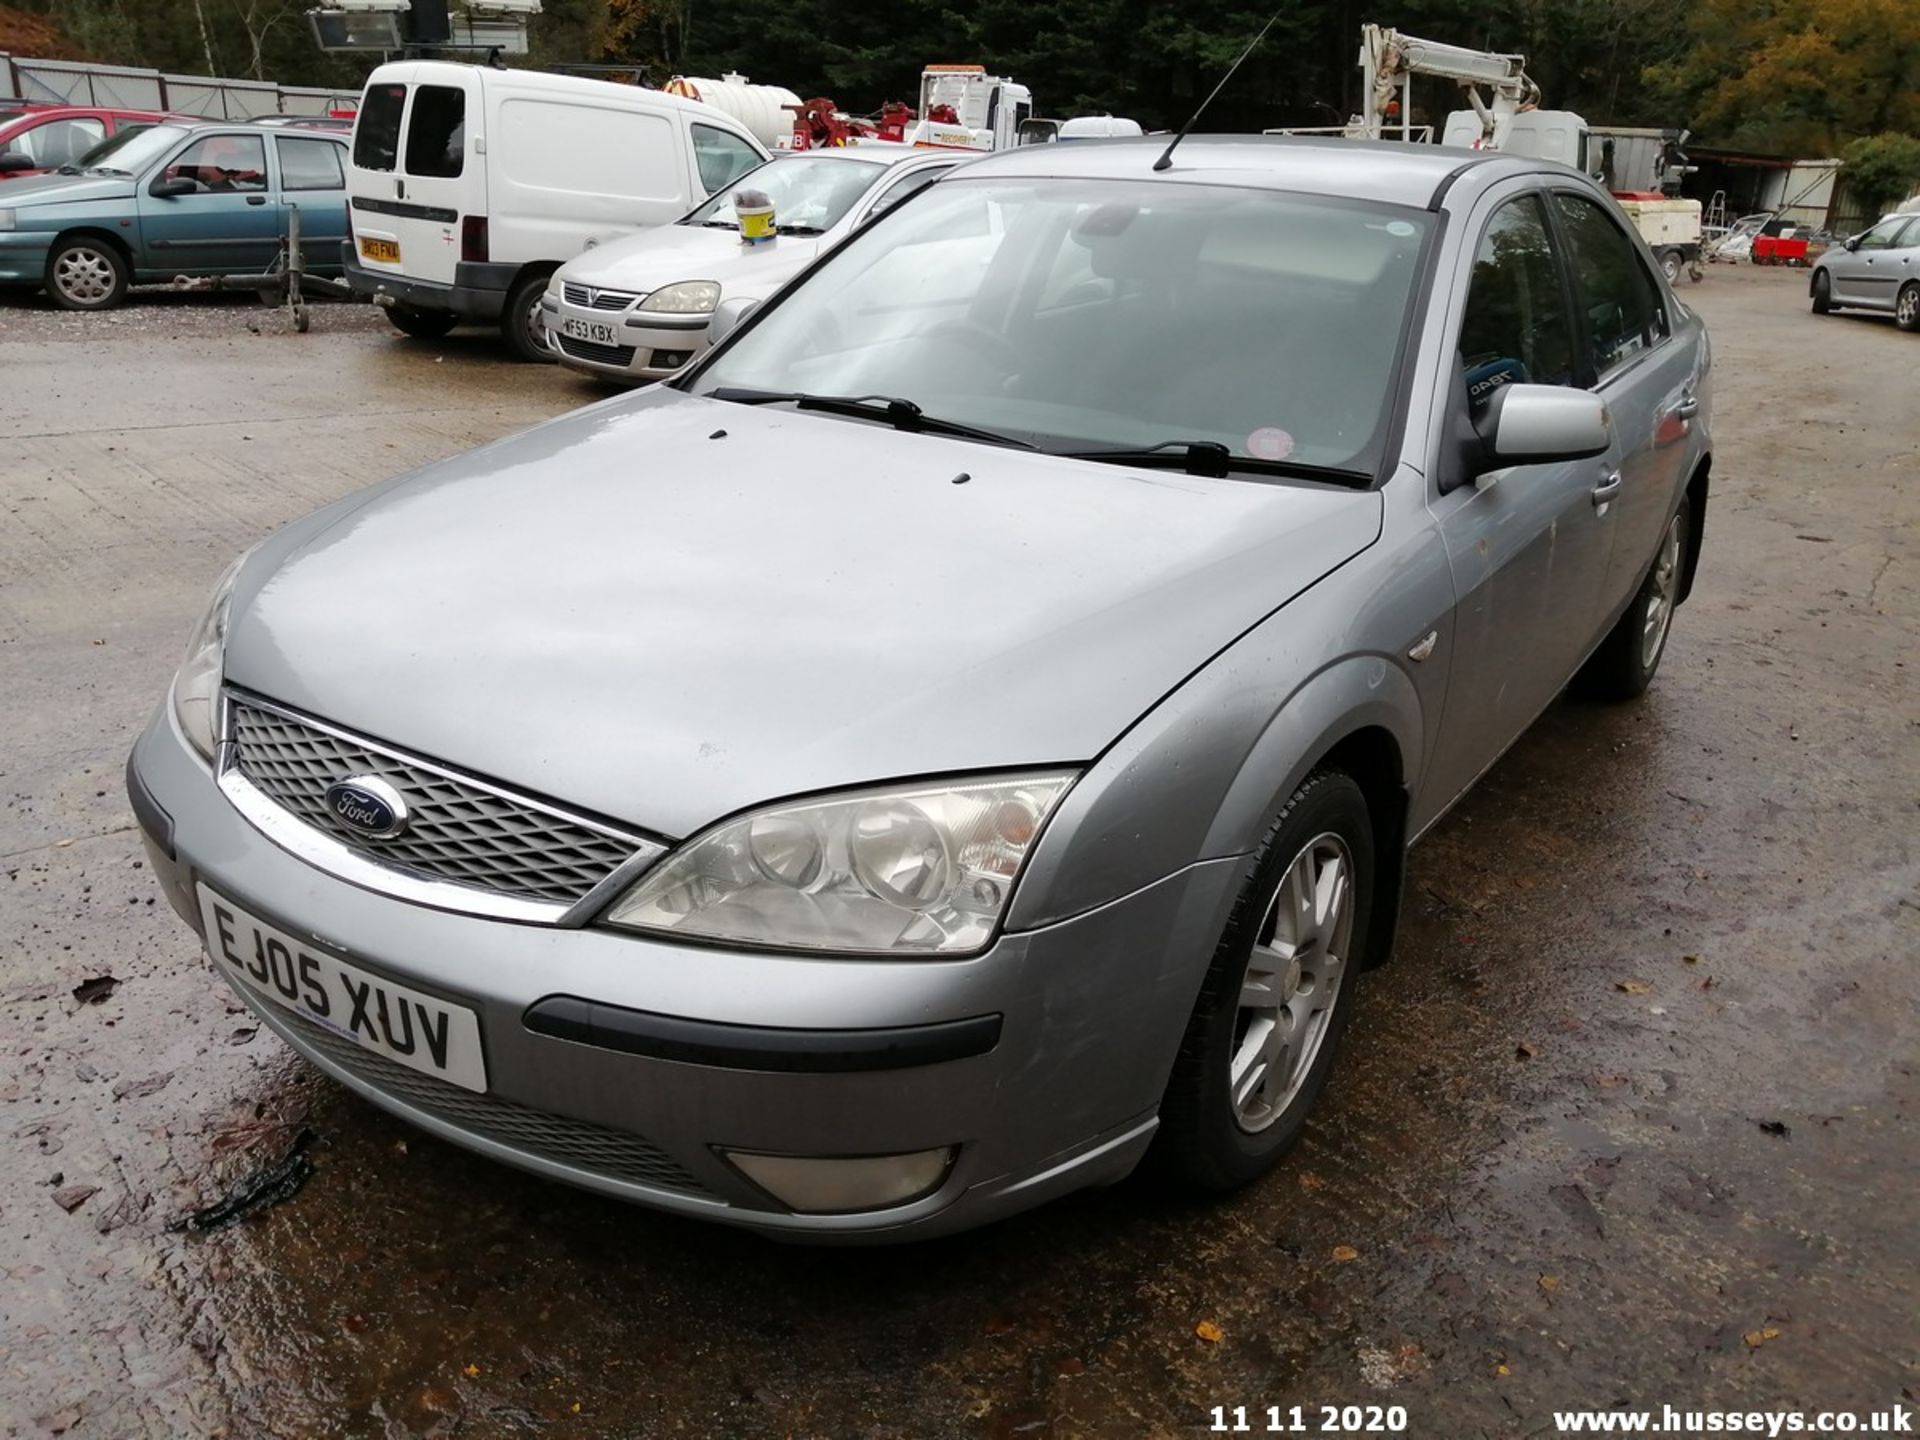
(132, 150)
(809, 192)
(1084, 315)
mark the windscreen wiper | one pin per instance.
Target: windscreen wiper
(799, 229)
(901, 414)
(1215, 461)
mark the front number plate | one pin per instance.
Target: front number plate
(388, 250)
(409, 1028)
(598, 333)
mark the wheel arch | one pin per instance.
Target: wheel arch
(95, 232)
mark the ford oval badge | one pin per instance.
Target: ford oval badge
(367, 805)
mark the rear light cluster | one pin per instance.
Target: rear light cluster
(473, 239)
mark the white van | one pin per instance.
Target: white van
(469, 186)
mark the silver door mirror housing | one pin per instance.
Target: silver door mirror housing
(1539, 424)
(727, 316)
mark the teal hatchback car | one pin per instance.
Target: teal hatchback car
(180, 198)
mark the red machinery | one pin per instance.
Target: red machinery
(1779, 249)
(819, 125)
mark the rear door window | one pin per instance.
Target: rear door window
(437, 132)
(722, 158)
(376, 137)
(1516, 329)
(310, 164)
(1617, 294)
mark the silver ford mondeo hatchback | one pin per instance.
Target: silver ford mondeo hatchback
(964, 734)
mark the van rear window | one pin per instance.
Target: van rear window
(437, 133)
(376, 138)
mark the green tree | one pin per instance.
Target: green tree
(1882, 170)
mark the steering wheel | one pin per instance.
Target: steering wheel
(979, 339)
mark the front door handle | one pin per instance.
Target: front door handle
(256, 199)
(1607, 489)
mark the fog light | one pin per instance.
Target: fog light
(823, 1185)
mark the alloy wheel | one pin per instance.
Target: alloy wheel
(1660, 593)
(1293, 977)
(1907, 308)
(85, 275)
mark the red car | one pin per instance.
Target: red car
(37, 138)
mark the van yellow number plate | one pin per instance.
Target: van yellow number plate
(388, 250)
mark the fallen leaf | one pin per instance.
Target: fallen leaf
(1501, 1370)
(1073, 1367)
(1779, 1129)
(242, 1034)
(1550, 1283)
(1756, 1338)
(353, 1324)
(472, 1372)
(93, 991)
(1689, 959)
(127, 1089)
(1525, 1050)
(1609, 1082)
(1311, 1181)
(73, 1197)
(1344, 1253)
(1706, 984)
(1209, 1332)
(1634, 987)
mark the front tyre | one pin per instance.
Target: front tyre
(1265, 1030)
(1625, 663)
(86, 274)
(1822, 293)
(520, 321)
(1672, 262)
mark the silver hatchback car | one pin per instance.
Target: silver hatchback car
(966, 732)
(1878, 269)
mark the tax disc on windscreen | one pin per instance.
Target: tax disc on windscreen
(1269, 443)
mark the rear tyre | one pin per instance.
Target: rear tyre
(1906, 310)
(1625, 663)
(421, 324)
(1672, 262)
(520, 321)
(1265, 1030)
(1822, 293)
(86, 274)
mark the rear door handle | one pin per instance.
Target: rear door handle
(1688, 407)
(1607, 489)
(256, 199)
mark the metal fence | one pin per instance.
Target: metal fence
(70, 82)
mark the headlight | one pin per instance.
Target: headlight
(922, 869)
(689, 297)
(6, 220)
(196, 689)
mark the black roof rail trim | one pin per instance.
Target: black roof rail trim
(1446, 181)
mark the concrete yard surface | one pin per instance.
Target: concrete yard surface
(1630, 1120)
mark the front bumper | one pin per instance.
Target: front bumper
(1091, 1013)
(644, 347)
(23, 256)
(478, 292)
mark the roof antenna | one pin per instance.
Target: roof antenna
(1166, 156)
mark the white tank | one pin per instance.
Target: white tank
(761, 108)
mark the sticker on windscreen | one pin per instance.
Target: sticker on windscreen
(1269, 443)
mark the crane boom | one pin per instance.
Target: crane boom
(1390, 60)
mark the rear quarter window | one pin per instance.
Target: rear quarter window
(376, 136)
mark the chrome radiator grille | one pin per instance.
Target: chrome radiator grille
(578, 1143)
(458, 831)
(597, 299)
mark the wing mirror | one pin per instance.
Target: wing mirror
(14, 161)
(727, 317)
(1541, 424)
(166, 189)
(1853, 242)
